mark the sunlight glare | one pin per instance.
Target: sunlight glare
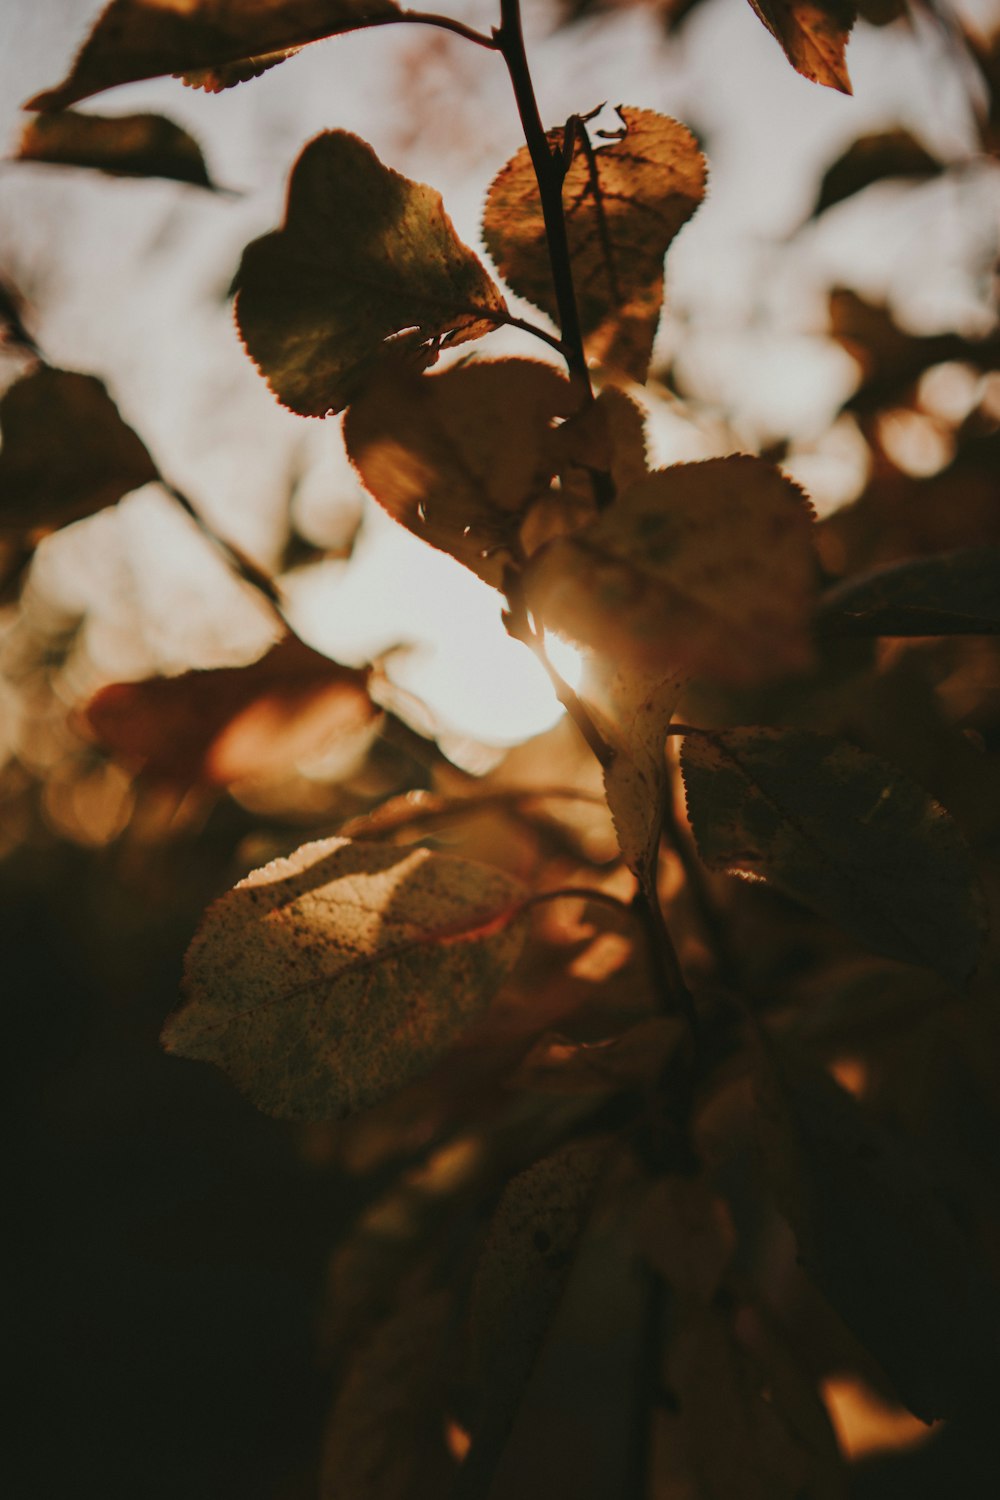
(566, 658)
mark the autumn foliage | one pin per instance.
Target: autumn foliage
(634, 1157)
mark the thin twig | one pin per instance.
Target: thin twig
(509, 38)
(244, 567)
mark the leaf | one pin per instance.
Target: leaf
(135, 39)
(872, 158)
(122, 146)
(364, 255)
(842, 832)
(222, 76)
(521, 1276)
(633, 715)
(956, 593)
(596, 453)
(702, 568)
(457, 457)
(325, 981)
(66, 452)
(777, 1441)
(386, 1435)
(624, 201)
(813, 36)
(876, 1237)
(235, 724)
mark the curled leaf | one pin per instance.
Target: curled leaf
(702, 568)
(813, 36)
(234, 724)
(134, 39)
(325, 981)
(457, 457)
(624, 201)
(364, 256)
(66, 451)
(839, 830)
(122, 146)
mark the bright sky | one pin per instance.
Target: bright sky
(131, 278)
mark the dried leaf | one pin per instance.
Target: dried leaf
(702, 568)
(364, 256)
(222, 76)
(813, 36)
(624, 201)
(521, 1276)
(957, 593)
(122, 146)
(235, 724)
(66, 452)
(134, 39)
(778, 1444)
(839, 830)
(457, 457)
(325, 981)
(577, 1427)
(386, 1435)
(877, 1237)
(633, 713)
(872, 158)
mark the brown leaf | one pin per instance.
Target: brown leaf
(878, 1236)
(134, 39)
(873, 158)
(122, 146)
(844, 833)
(325, 981)
(625, 200)
(633, 712)
(66, 452)
(364, 255)
(702, 568)
(234, 724)
(457, 457)
(386, 1436)
(813, 36)
(597, 454)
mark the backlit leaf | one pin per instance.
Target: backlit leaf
(234, 724)
(633, 713)
(839, 830)
(364, 255)
(134, 39)
(65, 451)
(325, 981)
(123, 146)
(813, 36)
(599, 452)
(624, 200)
(957, 593)
(457, 457)
(702, 568)
(877, 1237)
(872, 158)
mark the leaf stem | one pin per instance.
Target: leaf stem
(443, 23)
(507, 320)
(509, 39)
